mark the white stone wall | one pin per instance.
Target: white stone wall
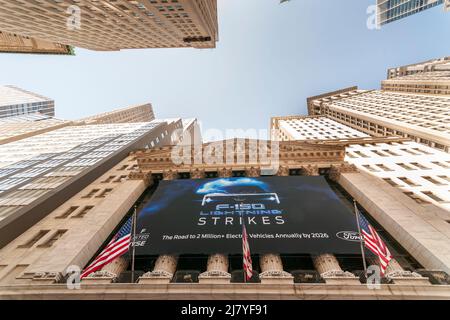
(421, 172)
(317, 129)
(409, 166)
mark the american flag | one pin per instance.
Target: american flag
(248, 268)
(373, 242)
(118, 246)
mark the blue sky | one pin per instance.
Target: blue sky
(269, 59)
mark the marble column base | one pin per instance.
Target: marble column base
(155, 277)
(407, 278)
(100, 277)
(47, 277)
(214, 277)
(276, 277)
(340, 277)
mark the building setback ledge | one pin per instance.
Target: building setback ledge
(180, 291)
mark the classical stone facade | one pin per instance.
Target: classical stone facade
(20, 274)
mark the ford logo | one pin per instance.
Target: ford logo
(349, 236)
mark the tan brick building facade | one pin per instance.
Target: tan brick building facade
(420, 117)
(114, 25)
(139, 113)
(12, 43)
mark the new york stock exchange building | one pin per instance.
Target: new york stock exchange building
(168, 223)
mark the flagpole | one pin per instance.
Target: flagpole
(242, 232)
(133, 244)
(361, 241)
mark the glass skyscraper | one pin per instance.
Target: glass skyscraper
(15, 101)
(392, 10)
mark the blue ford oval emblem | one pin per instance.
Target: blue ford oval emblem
(349, 236)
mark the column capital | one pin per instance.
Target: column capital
(169, 175)
(139, 175)
(335, 171)
(283, 171)
(197, 174)
(253, 172)
(310, 170)
(225, 172)
(148, 179)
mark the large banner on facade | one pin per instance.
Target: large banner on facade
(282, 214)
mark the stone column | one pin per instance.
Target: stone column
(398, 275)
(327, 264)
(217, 270)
(271, 264)
(165, 267)
(217, 266)
(108, 273)
(272, 270)
(330, 270)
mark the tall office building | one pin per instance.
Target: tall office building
(44, 160)
(391, 10)
(434, 82)
(138, 113)
(27, 125)
(114, 25)
(428, 77)
(12, 43)
(24, 126)
(41, 172)
(422, 118)
(15, 101)
(440, 64)
(420, 172)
